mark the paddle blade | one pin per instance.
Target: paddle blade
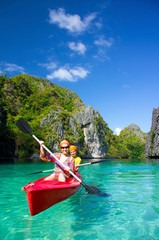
(23, 126)
(94, 190)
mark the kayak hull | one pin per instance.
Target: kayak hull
(42, 194)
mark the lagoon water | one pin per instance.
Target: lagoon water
(130, 213)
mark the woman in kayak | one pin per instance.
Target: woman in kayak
(59, 174)
(73, 152)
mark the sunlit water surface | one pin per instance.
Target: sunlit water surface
(131, 212)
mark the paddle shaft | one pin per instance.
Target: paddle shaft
(84, 164)
(80, 165)
(97, 161)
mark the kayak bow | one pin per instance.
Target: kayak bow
(43, 194)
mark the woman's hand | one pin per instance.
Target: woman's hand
(67, 168)
(41, 142)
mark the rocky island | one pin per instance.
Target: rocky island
(54, 112)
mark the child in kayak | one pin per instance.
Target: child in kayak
(59, 174)
(73, 152)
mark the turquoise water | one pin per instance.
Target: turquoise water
(131, 212)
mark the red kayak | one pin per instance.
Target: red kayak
(42, 194)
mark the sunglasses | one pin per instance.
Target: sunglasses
(65, 147)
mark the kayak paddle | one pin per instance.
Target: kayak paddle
(81, 165)
(25, 127)
(96, 161)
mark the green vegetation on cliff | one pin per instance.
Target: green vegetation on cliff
(34, 99)
(31, 98)
(130, 143)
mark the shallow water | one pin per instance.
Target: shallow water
(131, 212)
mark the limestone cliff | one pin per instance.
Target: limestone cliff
(86, 126)
(152, 141)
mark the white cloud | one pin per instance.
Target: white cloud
(71, 75)
(72, 23)
(77, 47)
(102, 42)
(103, 45)
(48, 66)
(79, 72)
(117, 131)
(10, 67)
(61, 74)
(102, 55)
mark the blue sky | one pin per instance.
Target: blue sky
(105, 51)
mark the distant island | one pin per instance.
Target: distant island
(55, 112)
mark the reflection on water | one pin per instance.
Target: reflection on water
(131, 212)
